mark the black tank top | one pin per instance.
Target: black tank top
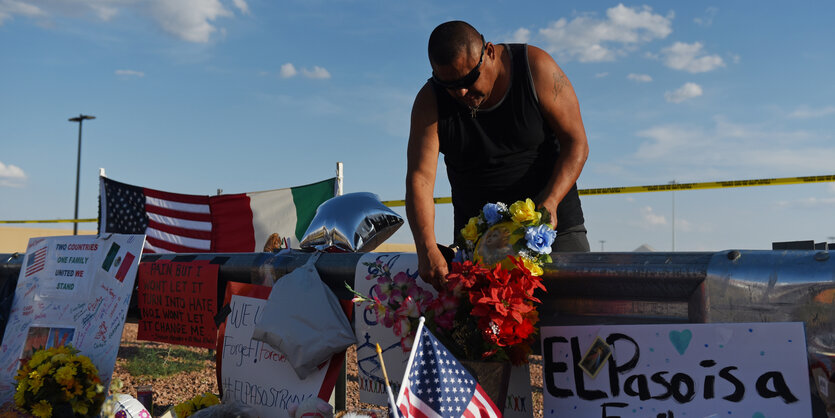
(503, 154)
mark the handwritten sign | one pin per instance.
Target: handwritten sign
(251, 371)
(665, 371)
(369, 332)
(64, 268)
(177, 303)
(70, 292)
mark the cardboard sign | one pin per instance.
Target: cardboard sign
(177, 303)
(662, 371)
(370, 375)
(252, 372)
(72, 290)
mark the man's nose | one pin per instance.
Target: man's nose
(461, 92)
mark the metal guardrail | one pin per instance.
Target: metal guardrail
(617, 288)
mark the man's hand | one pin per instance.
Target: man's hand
(432, 268)
(552, 210)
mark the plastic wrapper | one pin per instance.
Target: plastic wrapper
(303, 320)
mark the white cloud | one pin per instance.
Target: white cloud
(189, 20)
(130, 73)
(650, 218)
(9, 8)
(729, 150)
(685, 92)
(44, 9)
(588, 39)
(806, 112)
(707, 20)
(521, 36)
(640, 78)
(601, 75)
(316, 72)
(104, 12)
(690, 58)
(11, 175)
(287, 70)
(808, 203)
(242, 6)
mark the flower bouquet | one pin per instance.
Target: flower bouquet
(486, 311)
(59, 379)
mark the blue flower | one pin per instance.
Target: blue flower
(461, 256)
(540, 238)
(493, 212)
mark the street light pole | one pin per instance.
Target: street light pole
(80, 119)
(673, 192)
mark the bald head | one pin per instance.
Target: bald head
(451, 39)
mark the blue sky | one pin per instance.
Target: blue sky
(192, 96)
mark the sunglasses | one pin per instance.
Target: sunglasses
(467, 80)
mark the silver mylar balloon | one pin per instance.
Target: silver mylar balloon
(353, 222)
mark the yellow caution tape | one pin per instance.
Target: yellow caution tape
(673, 186)
(782, 181)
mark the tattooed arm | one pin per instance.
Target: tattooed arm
(561, 110)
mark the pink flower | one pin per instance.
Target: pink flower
(402, 326)
(396, 296)
(445, 320)
(403, 279)
(408, 308)
(406, 343)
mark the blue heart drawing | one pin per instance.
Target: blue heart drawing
(681, 340)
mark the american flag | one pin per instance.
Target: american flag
(436, 385)
(184, 223)
(36, 261)
(173, 222)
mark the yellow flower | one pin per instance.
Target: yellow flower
(62, 350)
(35, 383)
(42, 409)
(38, 358)
(184, 409)
(525, 212)
(44, 369)
(79, 407)
(207, 400)
(20, 393)
(61, 358)
(91, 392)
(470, 231)
(532, 266)
(64, 375)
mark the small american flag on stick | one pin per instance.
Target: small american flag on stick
(437, 385)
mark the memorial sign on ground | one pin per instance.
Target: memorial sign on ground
(177, 303)
(746, 370)
(72, 290)
(251, 371)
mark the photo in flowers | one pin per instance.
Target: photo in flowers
(40, 337)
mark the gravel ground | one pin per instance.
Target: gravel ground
(177, 388)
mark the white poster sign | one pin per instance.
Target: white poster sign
(71, 290)
(403, 267)
(662, 371)
(255, 374)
